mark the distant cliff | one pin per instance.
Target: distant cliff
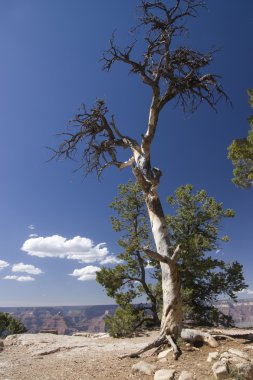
(69, 319)
(241, 311)
(65, 319)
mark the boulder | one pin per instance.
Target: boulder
(144, 368)
(220, 370)
(212, 356)
(164, 374)
(185, 375)
(245, 370)
(239, 353)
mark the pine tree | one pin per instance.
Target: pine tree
(240, 152)
(194, 226)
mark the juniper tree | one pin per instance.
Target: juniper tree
(240, 152)
(171, 72)
(195, 224)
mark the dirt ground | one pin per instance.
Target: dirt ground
(50, 357)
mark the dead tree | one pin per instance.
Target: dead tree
(172, 73)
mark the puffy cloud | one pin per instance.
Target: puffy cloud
(248, 292)
(79, 248)
(110, 260)
(33, 235)
(149, 266)
(26, 268)
(86, 273)
(3, 264)
(31, 227)
(19, 278)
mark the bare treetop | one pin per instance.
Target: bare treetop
(171, 72)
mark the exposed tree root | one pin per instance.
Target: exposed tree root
(224, 336)
(188, 335)
(161, 339)
(175, 349)
(194, 336)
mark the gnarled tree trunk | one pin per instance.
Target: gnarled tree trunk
(171, 322)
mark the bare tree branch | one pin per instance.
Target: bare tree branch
(176, 253)
(156, 256)
(94, 139)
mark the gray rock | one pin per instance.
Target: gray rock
(164, 354)
(245, 369)
(185, 375)
(239, 353)
(164, 374)
(144, 368)
(220, 370)
(212, 356)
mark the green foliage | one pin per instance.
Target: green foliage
(124, 322)
(195, 226)
(240, 152)
(10, 325)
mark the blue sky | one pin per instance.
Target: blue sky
(49, 65)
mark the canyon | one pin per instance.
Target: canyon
(67, 320)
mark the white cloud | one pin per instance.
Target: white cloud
(33, 235)
(86, 273)
(110, 260)
(3, 264)
(26, 268)
(19, 278)
(79, 248)
(31, 227)
(149, 266)
(249, 292)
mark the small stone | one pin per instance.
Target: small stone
(185, 375)
(144, 368)
(164, 374)
(164, 354)
(212, 356)
(220, 370)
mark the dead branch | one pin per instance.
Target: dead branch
(94, 140)
(156, 256)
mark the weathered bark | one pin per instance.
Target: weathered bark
(193, 336)
(171, 323)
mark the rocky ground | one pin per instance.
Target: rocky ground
(55, 357)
